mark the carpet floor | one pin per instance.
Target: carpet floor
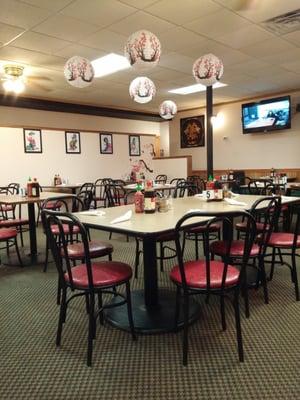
(32, 367)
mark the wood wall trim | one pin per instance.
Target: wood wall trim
(254, 173)
(48, 105)
(47, 128)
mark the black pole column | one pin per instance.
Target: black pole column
(209, 131)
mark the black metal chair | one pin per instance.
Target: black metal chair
(207, 276)
(161, 179)
(89, 279)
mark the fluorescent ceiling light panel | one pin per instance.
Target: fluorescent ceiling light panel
(109, 64)
(195, 88)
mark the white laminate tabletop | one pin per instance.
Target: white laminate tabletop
(152, 224)
(156, 186)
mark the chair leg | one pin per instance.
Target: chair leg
(162, 255)
(272, 264)
(137, 258)
(59, 289)
(47, 256)
(100, 305)
(264, 280)
(238, 325)
(92, 329)
(185, 327)
(21, 236)
(222, 309)
(129, 311)
(18, 253)
(245, 294)
(294, 273)
(62, 316)
(177, 308)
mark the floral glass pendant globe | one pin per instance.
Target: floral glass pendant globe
(79, 72)
(142, 89)
(167, 109)
(143, 49)
(208, 69)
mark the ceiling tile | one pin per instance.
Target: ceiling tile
(293, 37)
(101, 13)
(106, 40)
(267, 47)
(53, 5)
(140, 4)
(39, 42)
(65, 28)
(177, 62)
(141, 20)
(217, 24)
(8, 33)
(21, 15)
(245, 36)
(294, 67)
(180, 12)
(283, 57)
(178, 38)
(80, 50)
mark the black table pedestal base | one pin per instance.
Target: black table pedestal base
(157, 320)
(27, 259)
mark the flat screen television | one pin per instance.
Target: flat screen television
(267, 115)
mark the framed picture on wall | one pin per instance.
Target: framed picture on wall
(192, 132)
(32, 140)
(73, 142)
(134, 145)
(106, 143)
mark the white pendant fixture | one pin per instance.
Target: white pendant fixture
(143, 50)
(142, 90)
(79, 72)
(167, 109)
(208, 69)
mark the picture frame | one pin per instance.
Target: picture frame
(72, 140)
(134, 145)
(192, 132)
(106, 143)
(32, 140)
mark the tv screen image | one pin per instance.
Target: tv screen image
(267, 115)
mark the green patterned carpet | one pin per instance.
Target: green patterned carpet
(32, 367)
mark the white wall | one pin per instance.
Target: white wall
(238, 151)
(164, 138)
(173, 168)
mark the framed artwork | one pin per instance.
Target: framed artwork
(106, 143)
(32, 140)
(192, 132)
(134, 145)
(73, 142)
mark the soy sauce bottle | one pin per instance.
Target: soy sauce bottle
(149, 198)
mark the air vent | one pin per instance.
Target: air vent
(284, 23)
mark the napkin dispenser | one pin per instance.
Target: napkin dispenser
(213, 195)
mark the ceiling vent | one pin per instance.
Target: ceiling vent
(285, 23)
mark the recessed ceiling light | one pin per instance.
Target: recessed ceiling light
(109, 64)
(195, 88)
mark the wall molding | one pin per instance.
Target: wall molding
(56, 106)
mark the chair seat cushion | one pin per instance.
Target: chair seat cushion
(105, 273)
(283, 239)
(66, 228)
(203, 228)
(242, 226)
(195, 272)
(13, 222)
(219, 248)
(6, 234)
(7, 207)
(97, 249)
(53, 205)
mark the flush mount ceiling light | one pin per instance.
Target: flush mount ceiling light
(143, 49)
(109, 64)
(79, 72)
(13, 80)
(195, 88)
(208, 69)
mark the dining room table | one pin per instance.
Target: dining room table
(32, 256)
(153, 306)
(72, 188)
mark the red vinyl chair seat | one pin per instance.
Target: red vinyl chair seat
(66, 228)
(7, 223)
(219, 248)
(195, 273)
(203, 228)
(241, 226)
(6, 234)
(53, 205)
(166, 237)
(283, 239)
(97, 249)
(106, 273)
(6, 207)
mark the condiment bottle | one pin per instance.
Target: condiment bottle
(210, 183)
(150, 198)
(139, 199)
(55, 180)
